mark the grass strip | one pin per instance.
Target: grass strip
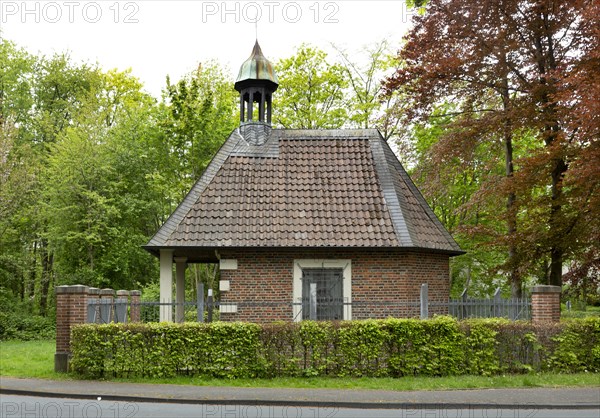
(35, 359)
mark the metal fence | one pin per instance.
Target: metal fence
(513, 309)
(105, 311)
(206, 310)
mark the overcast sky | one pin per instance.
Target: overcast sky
(159, 37)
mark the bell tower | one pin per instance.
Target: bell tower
(256, 83)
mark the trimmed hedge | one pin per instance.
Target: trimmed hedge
(392, 347)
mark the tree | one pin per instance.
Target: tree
(97, 201)
(311, 91)
(580, 107)
(505, 62)
(77, 170)
(19, 167)
(199, 113)
(15, 101)
(451, 194)
(368, 106)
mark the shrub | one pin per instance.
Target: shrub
(481, 344)
(227, 350)
(360, 348)
(391, 347)
(577, 347)
(17, 322)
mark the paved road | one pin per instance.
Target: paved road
(22, 406)
(269, 402)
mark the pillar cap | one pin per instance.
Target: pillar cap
(135, 293)
(74, 289)
(542, 288)
(93, 291)
(122, 292)
(107, 292)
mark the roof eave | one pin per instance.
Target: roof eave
(155, 250)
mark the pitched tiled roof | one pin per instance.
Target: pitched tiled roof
(304, 188)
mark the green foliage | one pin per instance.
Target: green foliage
(579, 310)
(360, 348)
(450, 182)
(91, 166)
(407, 336)
(17, 323)
(223, 350)
(311, 91)
(578, 347)
(97, 201)
(364, 71)
(77, 196)
(429, 348)
(315, 337)
(25, 327)
(373, 348)
(481, 342)
(198, 114)
(35, 359)
(443, 350)
(282, 343)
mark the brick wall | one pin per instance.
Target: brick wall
(72, 309)
(265, 275)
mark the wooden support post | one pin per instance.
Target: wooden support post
(210, 305)
(180, 266)
(313, 302)
(200, 301)
(424, 301)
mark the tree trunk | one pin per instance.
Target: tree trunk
(511, 223)
(47, 262)
(514, 278)
(30, 291)
(546, 65)
(556, 249)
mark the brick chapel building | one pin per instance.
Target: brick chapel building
(295, 217)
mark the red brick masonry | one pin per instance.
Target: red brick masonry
(545, 303)
(71, 309)
(389, 275)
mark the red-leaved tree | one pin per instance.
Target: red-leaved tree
(518, 69)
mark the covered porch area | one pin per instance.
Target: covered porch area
(174, 263)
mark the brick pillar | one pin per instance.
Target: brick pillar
(545, 303)
(71, 309)
(134, 309)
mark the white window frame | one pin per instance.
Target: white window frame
(344, 265)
